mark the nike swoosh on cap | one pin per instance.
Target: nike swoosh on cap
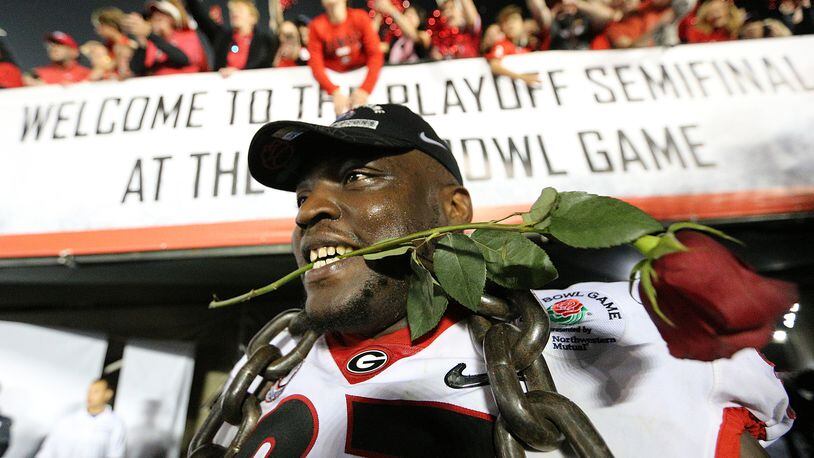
(424, 137)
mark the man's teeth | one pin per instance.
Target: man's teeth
(326, 255)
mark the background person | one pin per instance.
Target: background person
(342, 39)
(165, 44)
(94, 431)
(514, 41)
(455, 29)
(408, 41)
(103, 67)
(63, 52)
(108, 23)
(240, 45)
(10, 74)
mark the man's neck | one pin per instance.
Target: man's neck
(402, 323)
(338, 13)
(96, 410)
(244, 30)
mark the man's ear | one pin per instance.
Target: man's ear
(108, 395)
(456, 204)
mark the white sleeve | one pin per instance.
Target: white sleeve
(47, 449)
(118, 438)
(748, 380)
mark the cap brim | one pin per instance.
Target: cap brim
(280, 151)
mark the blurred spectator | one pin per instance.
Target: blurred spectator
(108, 23)
(64, 67)
(571, 24)
(342, 39)
(240, 45)
(102, 65)
(797, 15)
(713, 20)
(514, 41)
(409, 42)
(642, 24)
(765, 28)
(454, 30)
(291, 51)
(165, 44)
(10, 75)
(303, 23)
(92, 432)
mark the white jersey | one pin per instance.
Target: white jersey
(82, 435)
(384, 396)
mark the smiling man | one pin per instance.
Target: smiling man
(365, 389)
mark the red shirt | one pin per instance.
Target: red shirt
(689, 32)
(188, 42)
(239, 51)
(635, 25)
(10, 76)
(505, 47)
(453, 42)
(58, 74)
(344, 47)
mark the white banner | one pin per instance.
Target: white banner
(44, 375)
(713, 130)
(153, 395)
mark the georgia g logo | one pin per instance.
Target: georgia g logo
(367, 361)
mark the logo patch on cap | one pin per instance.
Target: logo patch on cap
(288, 133)
(366, 123)
(276, 154)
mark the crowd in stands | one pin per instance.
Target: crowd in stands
(166, 38)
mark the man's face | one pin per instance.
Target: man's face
(349, 201)
(60, 53)
(512, 26)
(98, 395)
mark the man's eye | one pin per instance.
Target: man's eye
(301, 200)
(350, 177)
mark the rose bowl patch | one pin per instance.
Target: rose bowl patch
(583, 322)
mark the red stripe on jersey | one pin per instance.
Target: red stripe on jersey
(735, 421)
(396, 345)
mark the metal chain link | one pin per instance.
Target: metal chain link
(539, 417)
(235, 404)
(512, 334)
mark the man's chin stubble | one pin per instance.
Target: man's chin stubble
(362, 313)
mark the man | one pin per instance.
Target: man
(92, 432)
(515, 41)
(365, 389)
(342, 39)
(64, 67)
(10, 75)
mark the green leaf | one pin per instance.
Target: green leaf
(700, 227)
(398, 251)
(668, 243)
(585, 220)
(513, 261)
(460, 269)
(426, 302)
(646, 276)
(541, 207)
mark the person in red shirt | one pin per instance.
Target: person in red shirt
(641, 21)
(454, 30)
(343, 39)
(64, 68)
(10, 75)
(514, 40)
(291, 53)
(165, 44)
(715, 20)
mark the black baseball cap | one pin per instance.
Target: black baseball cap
(280, 150)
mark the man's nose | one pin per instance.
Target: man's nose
(321, 203)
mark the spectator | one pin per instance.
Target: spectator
(242, 44)
(102, 65)
(454, 30)
(92, 432)
(10, 75)
(409, 41)
(291, 51)
(342, 39)
(764, 28)
(797, 15)
(642, 24)
(714, 20)
(303, 23)
(108, 23)
(514, 40)
(165, 45)
(571, 24)
(64, 67)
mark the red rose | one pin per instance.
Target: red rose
(717, 304)
(567, 307)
